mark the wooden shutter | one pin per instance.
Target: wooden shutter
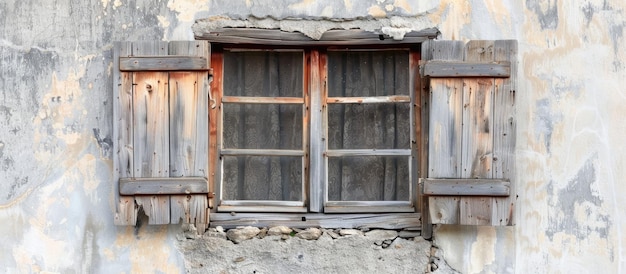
(471, 131)
(161, 131)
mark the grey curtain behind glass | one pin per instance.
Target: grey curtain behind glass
(362, 126)
(263, 126)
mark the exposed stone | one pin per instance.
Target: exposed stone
(379, 235)
(310, 234)
(262, 233)
(241, 234)
(278, 230)
(331, 233)
(219, 228)
(409, 234)
(348, 232)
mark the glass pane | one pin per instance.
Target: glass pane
(263, 74)
(369, 178)
(382, 126)
(262, 178)
(262, 126)
(368, 73)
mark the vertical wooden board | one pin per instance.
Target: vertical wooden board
(155, 207)
(126, 211)
(178, 208)
(475, 211)
(444, 209)
(444, 136)
(189, 114)
(477, 133)
(505, 130)
(151, 124)
(477, 136)
(422, 134)
(151, 130)
(214, 117)
(316, 141)
(306, 118)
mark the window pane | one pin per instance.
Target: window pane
(262, 126)
(263, 74)
(262, 178)
(354, 126)
(370, 178)
(368, 73)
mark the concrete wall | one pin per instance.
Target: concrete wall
(56, 193)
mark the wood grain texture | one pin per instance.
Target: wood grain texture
(317, 172)
(379, 220)
(504, 131)
(152, 186)
(449, 69)
(477, 136)
(126, 211)
(369, 100)
(329, 38)
(163, 63)
(467, 187)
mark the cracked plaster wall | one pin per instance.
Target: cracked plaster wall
(56, 191)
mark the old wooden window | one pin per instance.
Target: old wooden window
(277, 131)
(360, 137)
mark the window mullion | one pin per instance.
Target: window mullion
(318, 138)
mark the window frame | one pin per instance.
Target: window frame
(315, 150)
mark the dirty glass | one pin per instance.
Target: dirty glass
(262, 126)
(369, 125)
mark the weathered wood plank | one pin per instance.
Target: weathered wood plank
(126, 211)
(151, 130)
(215, 90)
(381, 220)
(261, 152)
(329, 38)
(504, 131)
(444, 135)
(156, 207)
(367, 152)
(261, 208)
(422, 117)
(368, 100)
(172, 185)
(444, 210)
(163, 63)
(467, 187)
(475, 211)
(466, 69)
(317, 139)
(262, 100)
(189, 122)
(477, 136)
(368, 209)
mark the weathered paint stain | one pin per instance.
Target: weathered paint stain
(546, 11)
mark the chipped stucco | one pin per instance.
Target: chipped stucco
(57, 197)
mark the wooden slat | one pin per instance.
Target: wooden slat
(261, 208)
(317, 141)
(214, 118)
(261, 152)
(329, 38)
(163, 63)
(262, 100)
(369, 203)
(126, 211)
(466, 69)
(151, 186)
(504, 131)
(367, 100)
(421, 127)
(189, 122)
(467, 187)
(380, 220)
(444, 210)
(477, 136)
(444, 151)
(368, 209)
(151, 130)
(367, 152)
